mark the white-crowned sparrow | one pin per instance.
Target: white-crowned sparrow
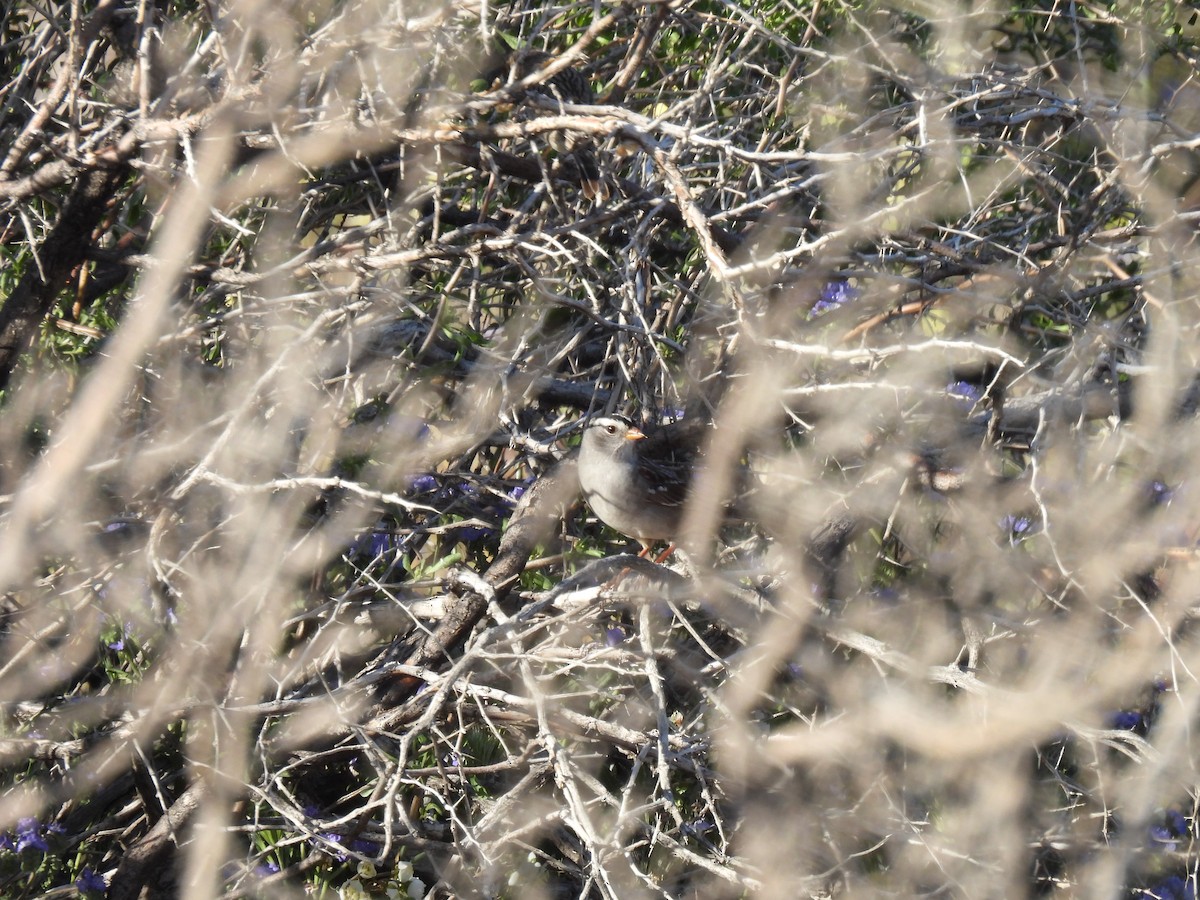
(637, 482)
(568, 86)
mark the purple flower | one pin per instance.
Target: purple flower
(89, 882)
(381, 542)
(6, 843)
(1125, 720)
(264, 869)
(469, 533)
(1160, 493)
(615, 636)
(1178, 822)
(1170, 831)
(119, 644)
(335, 839)
(966, 393)
(886, 594)
(358, 845)
(29, 836)
(423, 484)
(1174, 888)
(376, 543)
(834, 294)
(365, 847)
(1161, 834)
(1018, 527)
(698, 827)
(507, 502)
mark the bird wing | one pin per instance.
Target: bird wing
(668, 457)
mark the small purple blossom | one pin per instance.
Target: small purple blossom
(29, 836)
(886, 594)
(615, 636)
(1018, 527)
(423, 484)
(965, 393)
(469, 533)
(376, 543)
(1178, 822)
(1162, 836)
(1169, 832)
(1174, 888)
(6, 843)
(381, 542)
(119, 644)
(1160, 493)
(1125, 720)
(834, 294)
(508, 501)
(699, 826)
(89, 882)
(262, 870)
(358, 845)
(330, 837)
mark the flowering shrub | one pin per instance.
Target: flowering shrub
(305, 306)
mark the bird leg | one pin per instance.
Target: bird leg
(662, 557)
(645, 553)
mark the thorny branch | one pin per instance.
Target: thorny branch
(303, 312)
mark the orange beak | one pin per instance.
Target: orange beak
(634, 434)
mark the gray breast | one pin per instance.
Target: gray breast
(620, 502)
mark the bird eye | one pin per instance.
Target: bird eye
(611, 429)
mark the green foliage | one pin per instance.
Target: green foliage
(395, 301)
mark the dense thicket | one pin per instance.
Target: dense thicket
(303, 306)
